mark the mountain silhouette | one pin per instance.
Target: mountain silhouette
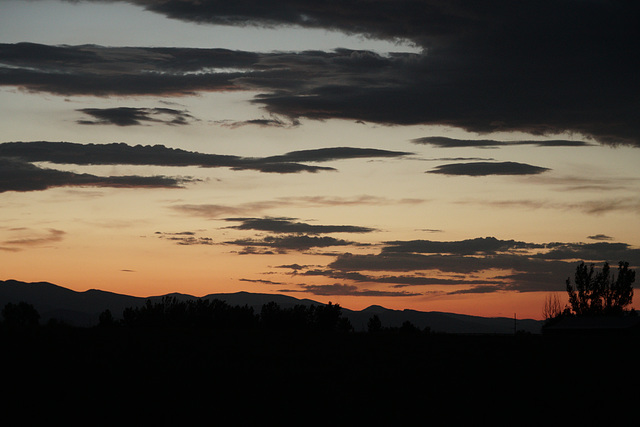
(83, 308)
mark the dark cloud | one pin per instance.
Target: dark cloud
(600, 237)
(525, 267)
(523, 274)
(488, 168)
(539, 67)
(132, 116)
(398, 281)
(271, 122)
(289, 225)
(335, 153)
(411, 262)
(294, 267)
(281, 244)
(480, 245)
(535, 66)
(480, 265)
(343, 289)
(105, 71)
(597, 252)
(290, 235)
(459, 159)
(160, 155)
(185, 238)
(265, 282)
(16, 175)
(444, 142)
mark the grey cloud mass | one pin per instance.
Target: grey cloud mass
(540, 67)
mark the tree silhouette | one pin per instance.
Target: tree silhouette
(20, 315)
(374, 324)
(200, 313)
(300, 317)
(600, 292)
(106, 320)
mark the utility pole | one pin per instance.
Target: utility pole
(515, 323)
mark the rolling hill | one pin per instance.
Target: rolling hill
(83, 309)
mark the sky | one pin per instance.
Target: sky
(432, 155)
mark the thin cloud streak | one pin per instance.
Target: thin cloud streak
(217, 211)
(444, 142)
(289, 225)
(589, 207)
(36, 239)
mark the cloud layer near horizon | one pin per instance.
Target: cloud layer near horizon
(478, 265)
(540, 67)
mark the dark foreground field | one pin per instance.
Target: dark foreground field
(187, 376)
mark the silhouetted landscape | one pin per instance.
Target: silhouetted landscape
(180, 359)
(84, 308)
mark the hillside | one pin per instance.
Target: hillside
(83, 308)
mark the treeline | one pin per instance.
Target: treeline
(215, 314)
(170, 312)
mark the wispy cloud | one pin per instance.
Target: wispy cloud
(185, 238)
(590, 207)
(218, 211)
(27, 238)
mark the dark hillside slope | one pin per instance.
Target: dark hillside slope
(83, 308)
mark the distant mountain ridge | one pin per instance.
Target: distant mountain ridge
(84, 308)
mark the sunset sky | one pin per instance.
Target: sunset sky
(435, 155)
